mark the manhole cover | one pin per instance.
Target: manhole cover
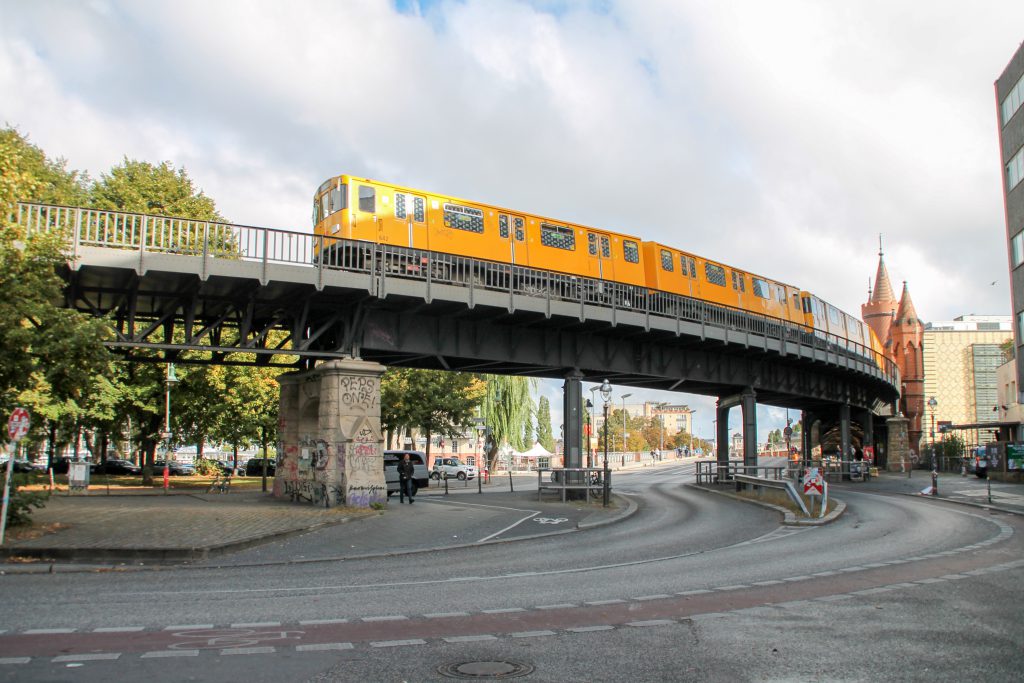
(485, 670)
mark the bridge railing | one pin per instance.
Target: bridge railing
(211, 239)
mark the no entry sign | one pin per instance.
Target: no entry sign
(813, 484)
(17, 425)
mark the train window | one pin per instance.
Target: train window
(693, 268)
(714, 274)
(666, 260)
(806, 304)
(367, 199)
(833, 315)
(557, 236)
(631, 251)
(520, 228)
(592, 244)
(761, 288)
(400, 211)
(419, 209)
(738, 281)
(503, 226)
(463, 218)
(606, 247)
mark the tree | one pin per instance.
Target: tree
(507, 407)
(544, 431)
(435, 402)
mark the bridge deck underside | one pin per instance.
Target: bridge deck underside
(218, 310)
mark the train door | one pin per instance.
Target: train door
(599, 255)
(365, 223)
(411, 220)
(512, 228)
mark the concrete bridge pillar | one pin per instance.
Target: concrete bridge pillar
(898, 444)
(806, 437)
(749, 403)
(572, 419)
(331, 448)
(722, 433)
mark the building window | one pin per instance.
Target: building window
(631, 251)
(666, 260)
(463, 218)
(1020, 326)
(367, 199)
(1018, 248)
(714, 274)
(1013, 100)
(1015, 170)
(557, 236)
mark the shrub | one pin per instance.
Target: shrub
(19, 508)
(207, 467)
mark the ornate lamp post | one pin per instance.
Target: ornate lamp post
(606, 396)
(170, 381)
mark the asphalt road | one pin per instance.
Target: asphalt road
(694, 586)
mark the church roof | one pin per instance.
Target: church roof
(883, 288)
(906, 311)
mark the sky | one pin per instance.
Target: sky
(781, 137)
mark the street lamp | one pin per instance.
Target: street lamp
(606, 395)
(692, 411)
(624, 397)
(660, 407)
(170, 380)
(932, 403)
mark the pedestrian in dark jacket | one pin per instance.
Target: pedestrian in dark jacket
(406, 487)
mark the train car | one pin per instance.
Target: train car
(361, 210)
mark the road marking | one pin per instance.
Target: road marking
(87, 657)
(604, 602)
(445, 615)
(314, 622)
(41, 631)
(771, 582)
(797, 578)
(531, 634)
(395, 617)
(170, 653)
(397, 643)
(872, 591)
(926, 581)
(507, 610)
(650, 622)
(564, 605)
(659, 596)
(256, 624)
(834, 598)
(738, 586)
(314, 647)
(468, 639)
(588, 629)
(119, 629)
(510, 526)
(699, 591)
(188, 627)
(266, 650)
(15, 660)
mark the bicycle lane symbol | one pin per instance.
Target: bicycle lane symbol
(228, 638)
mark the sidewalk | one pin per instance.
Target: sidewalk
(85, 533)
(969, 490)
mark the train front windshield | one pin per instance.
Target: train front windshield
(329, 200)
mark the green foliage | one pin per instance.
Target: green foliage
(436, 402)
(141, 187)
(544, 431)
(507, 408)
(206, 467)
(19, 507)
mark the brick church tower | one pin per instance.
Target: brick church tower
(901, 332)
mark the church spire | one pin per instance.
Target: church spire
(906, 313)
(883, 289)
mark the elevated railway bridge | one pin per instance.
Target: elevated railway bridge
(235, 294)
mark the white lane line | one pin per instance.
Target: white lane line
(468, 639)
(927, 581)
(738, 586)
(15, 660)
(588, 629)
(531, 634)
(249, 651)
(650, 622)
(510, 526)
(170, 653)
(770, 582)
(699, 591)
(507, 610)
(564, 605)
(87, 658)
(119, 629)
(397, 643)
(315, 647)
(255, 624)
(41, 631)
(445, 615)
(394, 617)
(315, 622)
(188, 627)
(660, 596)
(604, 602)
(798, 578)
(872, 591)
(834, 598)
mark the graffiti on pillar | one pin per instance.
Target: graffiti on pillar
(359, 392)
(365, 496)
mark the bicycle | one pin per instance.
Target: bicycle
(220, 484)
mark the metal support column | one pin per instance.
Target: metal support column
(572, 425)
(749, 428)
(844, 438)
(722, 434)
(806, 437)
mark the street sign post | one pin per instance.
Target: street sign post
(17, 427)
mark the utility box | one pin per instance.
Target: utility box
(78, 477)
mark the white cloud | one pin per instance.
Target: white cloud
(781, 137)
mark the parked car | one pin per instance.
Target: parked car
(254, 467)
(452, 467)
(60, 465)
(117, 466)
(174, 469)
(19, 465)
(229, 468)
(419, 468)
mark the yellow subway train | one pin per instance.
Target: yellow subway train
(352, 208)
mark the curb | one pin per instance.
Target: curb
(203, 553)
(789, 518)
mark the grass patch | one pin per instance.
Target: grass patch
(776, 497)
(129, 484)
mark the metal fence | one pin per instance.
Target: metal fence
(163, 234)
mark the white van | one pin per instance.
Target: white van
(419, 467)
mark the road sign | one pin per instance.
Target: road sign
(17, 425)
(813, 485)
